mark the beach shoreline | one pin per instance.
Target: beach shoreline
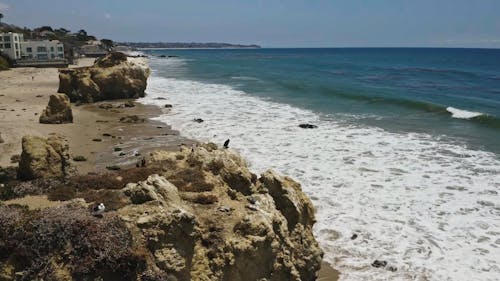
(96, 132)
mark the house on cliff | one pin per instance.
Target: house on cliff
(32, 52)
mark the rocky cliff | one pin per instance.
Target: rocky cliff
(201, 215)
(111, 77)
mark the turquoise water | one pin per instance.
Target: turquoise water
(405, 155)
(397, 89)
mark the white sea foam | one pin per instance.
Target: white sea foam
(462, 114)
(428, 207)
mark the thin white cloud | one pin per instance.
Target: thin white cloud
(107, 15)
(3, 7)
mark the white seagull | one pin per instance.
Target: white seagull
(99, 209)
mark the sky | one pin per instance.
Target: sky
(272, 23)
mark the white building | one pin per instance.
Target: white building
(10, 44)
(42, 50)
(13, 45)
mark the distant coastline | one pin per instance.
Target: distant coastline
(192, 45)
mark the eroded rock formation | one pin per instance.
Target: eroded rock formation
(43, 158)
(201, 216)
(58, 110)
(111, 77)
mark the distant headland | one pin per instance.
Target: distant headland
(192, 45)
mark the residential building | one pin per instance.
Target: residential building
(42, 50)
(92, 51)
(10, 44)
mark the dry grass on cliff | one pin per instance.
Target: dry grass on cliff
(36, 242)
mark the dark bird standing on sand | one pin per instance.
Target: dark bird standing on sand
(226, 144)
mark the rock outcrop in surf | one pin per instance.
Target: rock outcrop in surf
(202, 215)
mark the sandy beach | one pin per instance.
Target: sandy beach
(95, 131)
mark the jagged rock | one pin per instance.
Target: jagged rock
(272, 241)
(191, 222)
(308, 126)
(43, 158)
(289, 198)
(58, 110)
(378, 263)
(111, 77)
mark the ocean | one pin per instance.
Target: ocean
(406, 153)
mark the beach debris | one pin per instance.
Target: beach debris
(226, 144)
(38, 96)
(101, 121)
(58, 110)
(106, 135)
(98, 210)
(225, 209)
(79, 158)
(198, 120)
(379, 263)
(97, 140)
(122, 154)
(308, 126)
(117, 149)
(15, 158)
(113, 168)
(127, 104)
(168, 105)
(132, 119)
(105, 106)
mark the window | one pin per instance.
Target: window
(42, 56)
(17, 46)
(59, 49)
(6, 38)
(7, 46)
(29, 50)
(51, 49)
(53, 56)
(60, 56)
(41, 49)
(1, 46)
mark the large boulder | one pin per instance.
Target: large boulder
(43, 158)
(255, 229)
(58, 110)
(111, 77)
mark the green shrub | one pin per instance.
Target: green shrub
(4, 65)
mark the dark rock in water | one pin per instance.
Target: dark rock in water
(132, 119)
(226, 144)
(198, 120)
(173, 56)
(379, 264)
(168, 106)
(162, 56)
(392, 268)
(58, 110)
(354, 236)
(308, 126)
(160, 98)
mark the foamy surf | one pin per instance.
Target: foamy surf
(462, 114)
(428, 207)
